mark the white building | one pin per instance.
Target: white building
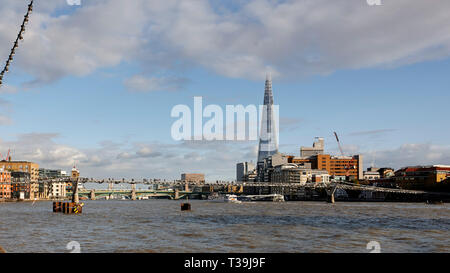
(298, 173)
(370, 175)
(57, 190)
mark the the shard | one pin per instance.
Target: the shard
(268, 144)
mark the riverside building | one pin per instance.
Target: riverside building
(193, 177)
(22, 166)
(5, 184)
(244, 170)
(322, 166)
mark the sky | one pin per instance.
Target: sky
(94, 85)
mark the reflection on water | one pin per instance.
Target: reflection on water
(160, 226)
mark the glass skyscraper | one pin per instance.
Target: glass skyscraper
(268, 144)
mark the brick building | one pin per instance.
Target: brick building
(336, 166)
(435, 177)
(193, 177)
(5, 184)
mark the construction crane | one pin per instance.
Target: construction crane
(348, 167)
(332, 190)
(8, 157)
(16, 43)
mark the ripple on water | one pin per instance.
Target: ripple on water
(158, 226)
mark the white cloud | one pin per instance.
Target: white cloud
(237, 39)
(147, 84)
(410, 155)
(137, 160)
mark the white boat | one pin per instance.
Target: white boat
(231, 198)
(266, 197)
(227, 198)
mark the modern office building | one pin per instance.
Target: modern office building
(268, 142)
(291, 173)
(267, 165)
(243, 170)
(316, 149)
(336, 166)
(51, 174)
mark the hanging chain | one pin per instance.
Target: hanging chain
(16, 43)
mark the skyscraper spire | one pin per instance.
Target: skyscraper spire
(268, 144)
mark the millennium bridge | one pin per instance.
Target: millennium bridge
(345, 191)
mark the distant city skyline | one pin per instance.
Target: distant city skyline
(93, 85)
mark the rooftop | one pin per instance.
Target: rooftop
(13, 161)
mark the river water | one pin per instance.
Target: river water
(160, 226)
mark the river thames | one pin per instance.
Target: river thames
(159, 226)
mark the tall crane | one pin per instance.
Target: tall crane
(7, 158)
(348, 167)
(331, 191)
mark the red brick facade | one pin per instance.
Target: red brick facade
(5, 184)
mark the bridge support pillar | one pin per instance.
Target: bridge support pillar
(177, 194)
(330, 198)
(330, 194)
(92, 194)
(133, 192)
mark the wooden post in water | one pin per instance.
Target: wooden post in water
(185, 206)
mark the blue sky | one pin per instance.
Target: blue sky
(95, 91)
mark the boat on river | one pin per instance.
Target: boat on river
(224, 198)
(262, 198)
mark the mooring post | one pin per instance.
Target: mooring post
(185, 207)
